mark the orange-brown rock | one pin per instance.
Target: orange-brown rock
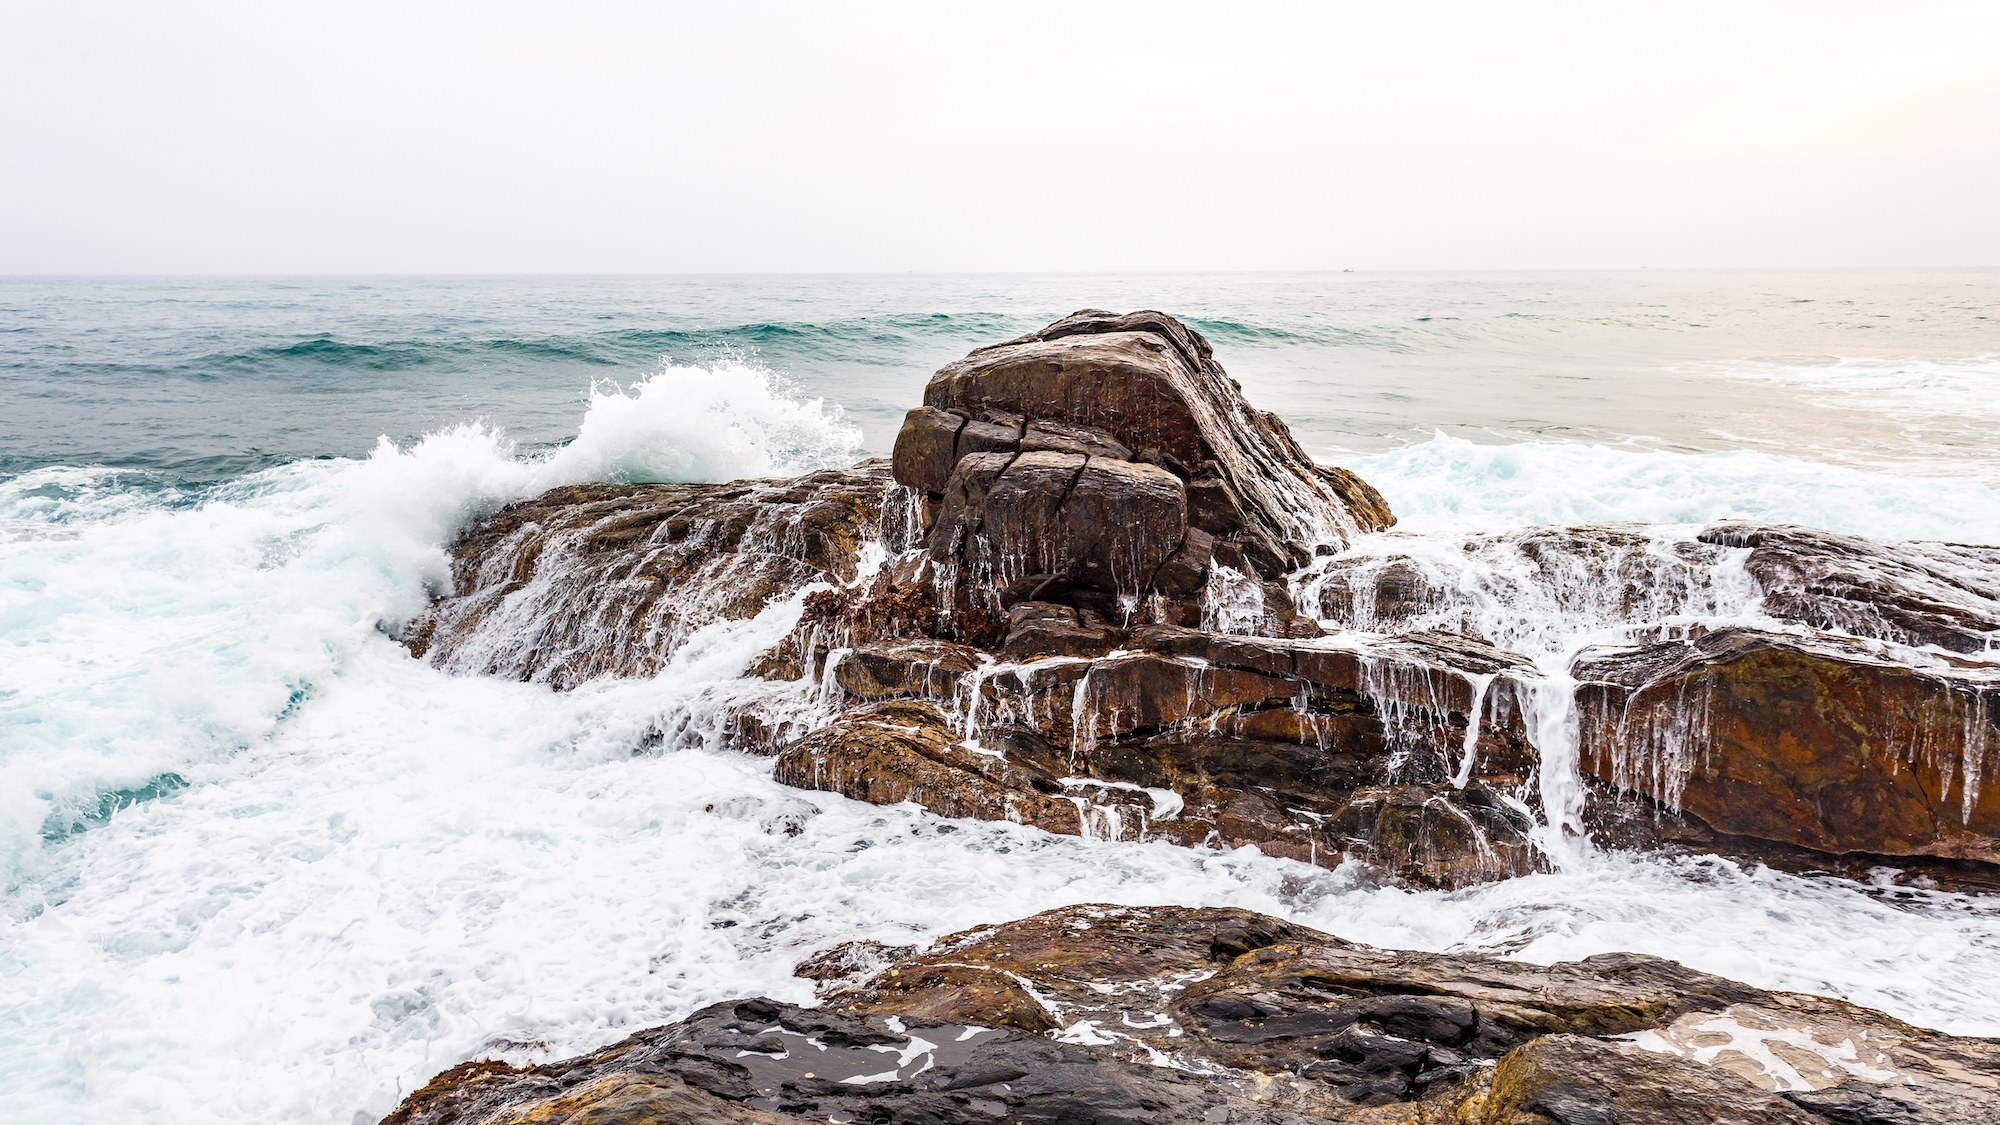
(900, 667)
(1819, 742)
(905, 751)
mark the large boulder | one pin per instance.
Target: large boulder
(1823, 742)
(1106, 1014)
(1116, 392)
(1037, 520)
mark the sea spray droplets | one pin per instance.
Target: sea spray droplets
(1454, 486)
(729, 420)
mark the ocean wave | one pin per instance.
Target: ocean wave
(238, 821)
(1449, 484)
(852, 338)
(1966, 385)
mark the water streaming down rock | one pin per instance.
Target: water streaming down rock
(1631, 621)
(1022, 583)
(593, 580)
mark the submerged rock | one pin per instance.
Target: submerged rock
(1113, 1014)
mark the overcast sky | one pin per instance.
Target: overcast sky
(275, 137)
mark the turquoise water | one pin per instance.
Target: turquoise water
(203, 379)
(238, 823)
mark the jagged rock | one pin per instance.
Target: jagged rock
(1629, 574)
(1912, 593)
(1312, 753)
(1184, 1016)
(595, 580)
(901, 667)
(1100, 386)
(905, 751)
(1037, 629)
(1821, 742)
(1041, 518)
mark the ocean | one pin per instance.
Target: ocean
(259, 864)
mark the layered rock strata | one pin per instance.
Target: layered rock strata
(1306, 750)
(1109, 458)
(1107, 1014)
(1817, 741)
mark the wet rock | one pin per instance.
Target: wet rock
(597, 580)
(905, 751)
(1180, 1015)
(1137, 389)
(1312, 753)
(1822, 742)
(901, 667)
(1608, 575)
(1571, 1080)
(1038, 629)
(1912, 593)
(1087, 522)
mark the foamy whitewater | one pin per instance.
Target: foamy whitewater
(258, 864)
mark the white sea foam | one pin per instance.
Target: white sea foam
(339, 871)
(1449, 484)
(1907, 386)
(728, 420)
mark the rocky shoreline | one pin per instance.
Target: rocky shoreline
(1110, 1014)
(1095, 592)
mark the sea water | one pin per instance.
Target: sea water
(258, 864)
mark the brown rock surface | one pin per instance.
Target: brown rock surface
(1817, 741)
(1140, 387)
(1046, 517)
(905, 751)
(1308, 752)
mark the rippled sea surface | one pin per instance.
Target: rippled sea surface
(241, 830)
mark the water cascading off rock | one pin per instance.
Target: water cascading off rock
(1095, 591)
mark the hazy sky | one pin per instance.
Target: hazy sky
(276, 137)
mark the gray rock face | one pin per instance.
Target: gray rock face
(1185, 1016)
(1939, 594)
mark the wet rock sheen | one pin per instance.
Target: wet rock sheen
(1100, 1014)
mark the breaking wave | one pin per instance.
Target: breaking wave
(1449, 484)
